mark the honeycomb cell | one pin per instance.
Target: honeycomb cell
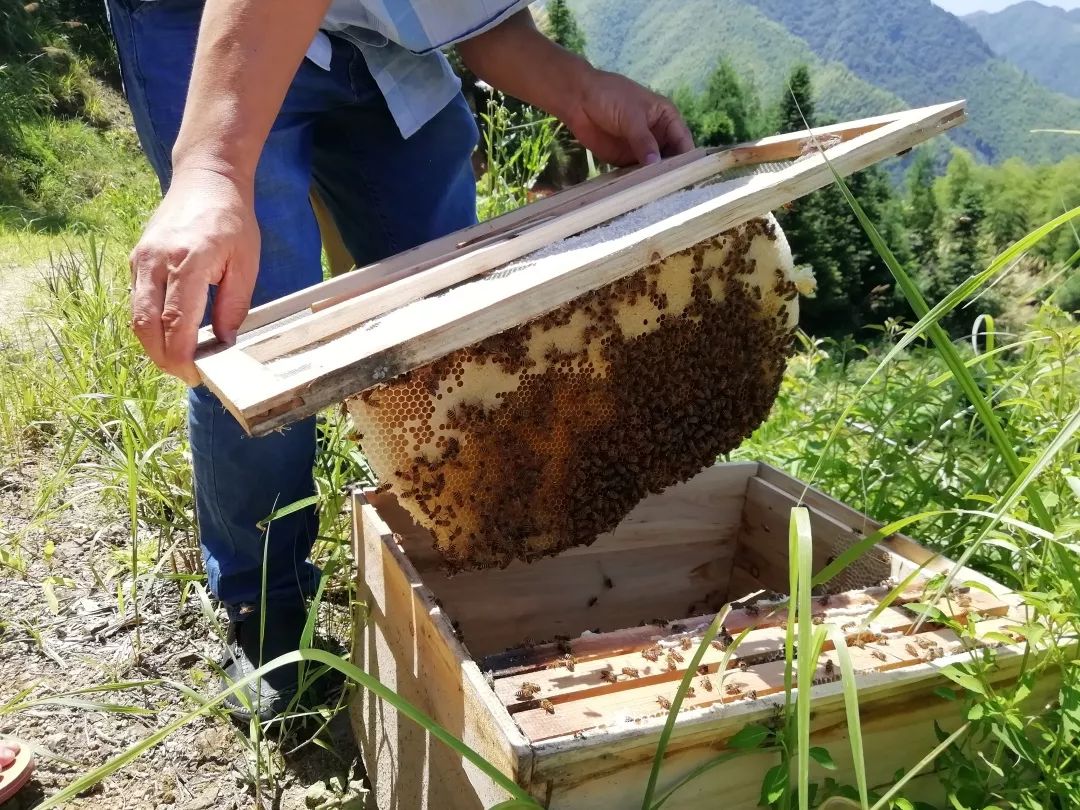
(581, 413)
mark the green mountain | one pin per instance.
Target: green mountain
(866, 57)
(1043, 40)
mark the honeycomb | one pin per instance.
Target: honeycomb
(546, 435)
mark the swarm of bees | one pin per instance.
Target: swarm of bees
(604, 374)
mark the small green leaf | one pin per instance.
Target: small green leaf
(945, 693)
(976, 712)
(750, 736)
(822, 757)
(903, 804)
(964, 679)
(774, 784)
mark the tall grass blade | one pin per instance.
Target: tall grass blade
(350, 671)
(851, 710)
(886, 800)
(944, 345)
(800, 574)
(676, 704)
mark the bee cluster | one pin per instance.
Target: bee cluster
(546, 435)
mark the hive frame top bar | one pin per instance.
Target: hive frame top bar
(323, 344)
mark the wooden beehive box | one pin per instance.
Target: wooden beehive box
(678, 557)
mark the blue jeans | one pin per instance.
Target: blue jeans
(386, 194)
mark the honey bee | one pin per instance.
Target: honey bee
(527, 691)
(547, 706)
(751, 695)
(717, 645)
(670, 661)
(879, 655)
(569, 662)
(912, 650)
(703, 669)
(489, 678)
(630, 672)
(830, 668)
(608, 583)
(733, 688)
(664, 702)
(685, 643)
(817, 619)
(593, 600)
(691, 692)
(742, 665)
(608, 675)
(676, 655)
(651, 654)
(706, 684)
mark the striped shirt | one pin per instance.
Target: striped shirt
(401, 40)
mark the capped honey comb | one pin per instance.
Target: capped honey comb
(546, 435)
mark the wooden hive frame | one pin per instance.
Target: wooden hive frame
(721, 530)
(321, 345)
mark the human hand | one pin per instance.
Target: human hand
(204, 232)
(623, 123)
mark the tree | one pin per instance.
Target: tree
(854, 287)
(726, 112)
(562, 27)
(797, 104)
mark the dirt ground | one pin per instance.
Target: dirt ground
(83, 634)
(83, 640)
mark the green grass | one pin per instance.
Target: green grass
(974, 453)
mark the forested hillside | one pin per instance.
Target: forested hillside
(867, 56)
(1043, 40)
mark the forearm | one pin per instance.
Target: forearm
(519, 60)
(246, 58)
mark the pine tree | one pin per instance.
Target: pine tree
(854, 287)
(563, 28)
(796, 108)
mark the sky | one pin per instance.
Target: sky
(968, 6)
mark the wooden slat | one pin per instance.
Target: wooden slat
(765, 642)
(409, 645)
(415, 282)
(614, 707)
(373, 276)
(862, 525)
(382, 350)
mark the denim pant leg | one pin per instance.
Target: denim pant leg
(239, 480)
(388, 193)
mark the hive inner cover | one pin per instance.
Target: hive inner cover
(546, 435)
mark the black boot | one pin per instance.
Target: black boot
(271, 695)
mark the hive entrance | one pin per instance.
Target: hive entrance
(545, 436)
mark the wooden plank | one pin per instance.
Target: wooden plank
(861, 524)
(415, 282)
(592, 708)
(763, 643)
(410, 647)
(388, 347)
(374, 275)
(763, 542)
(609, 767)
(673, 549)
